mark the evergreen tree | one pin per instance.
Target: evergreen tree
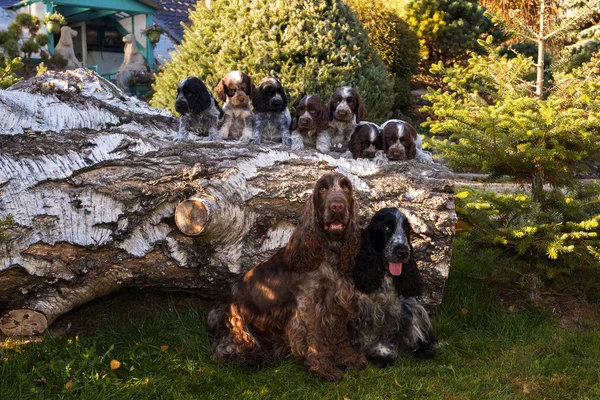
(312, 46)
(393, 40)
(447, 29)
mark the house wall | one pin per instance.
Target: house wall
(37, 9)
(107, 62)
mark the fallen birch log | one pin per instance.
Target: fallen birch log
(93, 190)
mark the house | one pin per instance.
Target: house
(170, 18)
(101, 26)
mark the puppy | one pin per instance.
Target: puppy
(346, 109)
(235, 90)
(402, 142)
(365, 140)
(271, 115)
(198, 108)
(310, 127)
(387, 280)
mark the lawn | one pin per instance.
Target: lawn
(495, 345)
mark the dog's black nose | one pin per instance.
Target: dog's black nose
(402, 251)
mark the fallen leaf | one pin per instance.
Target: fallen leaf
(41, 381)
(114, 364)
(464, 311)
(164, 347)
(397, 383)
(526, 389)
(69, 384)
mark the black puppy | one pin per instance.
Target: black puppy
(387, 280)
(271, 115)
(198, 108)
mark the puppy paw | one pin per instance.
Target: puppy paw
(356, 361)
(347, 154)
(328, 373)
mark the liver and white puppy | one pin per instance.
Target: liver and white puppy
(346, 109)
(271, 115)
(235, 90)
(198, 108)
(365, 140)
(310, 127)
(402, 142)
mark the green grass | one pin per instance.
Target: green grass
(487, 353)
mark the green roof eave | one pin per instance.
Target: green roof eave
(129, 6)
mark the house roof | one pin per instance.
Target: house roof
(174, 12)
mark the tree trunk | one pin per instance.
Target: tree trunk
(97, 187)
(539, 87)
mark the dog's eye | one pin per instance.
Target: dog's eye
(231, 92)
(386, 228)
(346, 188)
(322, 190)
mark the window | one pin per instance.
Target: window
(104, 39)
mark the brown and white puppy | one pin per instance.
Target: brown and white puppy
(310, 127)
(271, 115)
(235, 90)
(346, 109)
(365, 140)
(402, 142)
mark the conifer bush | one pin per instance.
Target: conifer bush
(448, 29)
(548, 238)
(393, 40)
(311, 46)
(491, 119)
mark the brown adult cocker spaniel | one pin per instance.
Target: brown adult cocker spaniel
(301, 298)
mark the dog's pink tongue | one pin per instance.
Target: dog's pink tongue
(395, 268)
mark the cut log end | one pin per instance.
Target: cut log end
(191, 216)
(23, 323)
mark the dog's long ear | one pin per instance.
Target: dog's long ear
(369, 268)
(323, 118)
(330, 108)
(221, 90)
(361, 109)
(408, 284)
(305, 248)
(294, 124)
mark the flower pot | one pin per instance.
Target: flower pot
(53, 26)
(154, 37)
(140, 90)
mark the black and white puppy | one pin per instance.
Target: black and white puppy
(199, 110)
(365, 140)
(235, 90)
(390, 319)
(271, 115)
(346, 109)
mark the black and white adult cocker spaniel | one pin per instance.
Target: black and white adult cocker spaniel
(390, 319)
(198, 108)
(271, 114)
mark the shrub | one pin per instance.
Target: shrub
(312, 46)
(491, 119)
(447, 29)
(547, 238)
(393, 40)
(16, 46)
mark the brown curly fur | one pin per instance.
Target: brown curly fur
(301, 288)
